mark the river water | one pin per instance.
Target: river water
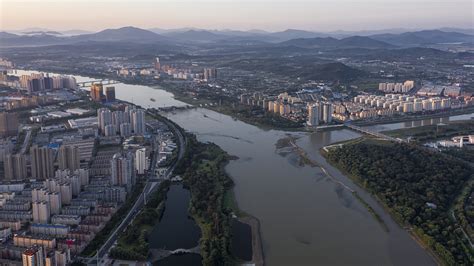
(306, 219)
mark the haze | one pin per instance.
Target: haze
(262, 14)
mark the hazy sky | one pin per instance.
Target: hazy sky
(319, 15)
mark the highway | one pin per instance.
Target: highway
(148, 190)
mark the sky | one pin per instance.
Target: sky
(271, 15)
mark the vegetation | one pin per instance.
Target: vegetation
(417, 186)
(202, 169)
(102, 236)
(464, 209)
(463, 154)
(133, 243)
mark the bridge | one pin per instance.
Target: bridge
(373, 133)
(159, 254)
(99, 81)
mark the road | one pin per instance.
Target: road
(148, 190)
(26, 142)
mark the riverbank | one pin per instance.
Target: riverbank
(265, 120)
(409, 207)
(462, 111)
(133, 243)
(434, 132)
(290, 141)
(202, 170)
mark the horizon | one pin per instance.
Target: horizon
(183, 29)
(318, 16)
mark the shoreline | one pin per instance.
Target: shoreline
(258, 257)
(407, 227)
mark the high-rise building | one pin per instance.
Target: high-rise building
(313, 115)
(109, 131)
(96, 92)
(327, 112)
(210, 73)
(33, 256)
(62, 257)
(52, 198)
(122, 170)
(125, 130)
(41, 212)
(68, 157)
(41, 162)
(118, 117)
(141, 161)
(15, 167)
(138, 121)
(157, 64)
(104, 117)
(8, 124)
(48, 83)
(110, 94)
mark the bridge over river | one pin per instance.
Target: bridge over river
(159, 254)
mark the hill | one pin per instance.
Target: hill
(329, 42)
(425, 37)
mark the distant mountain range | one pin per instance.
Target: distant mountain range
(329, 42)
(290, 37)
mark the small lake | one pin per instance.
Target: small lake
(241, 240)
(175, 229)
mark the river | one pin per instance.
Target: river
(306, 219)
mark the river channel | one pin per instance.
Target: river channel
(306, 218)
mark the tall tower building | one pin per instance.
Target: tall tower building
(68, 157)
(8, 124)
(110, 94)
(118, 117)
(15, 167)
(157, 64)
(122, 170)
(41, 162)
(140, 161)
(96, 92)
(33, 256)
(138, 121)
(313, 115)
(327, 112)
(210, 73)
(41, 212)
(104, 117)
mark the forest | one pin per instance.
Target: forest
(202, 170)
(418, 187)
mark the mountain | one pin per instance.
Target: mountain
(311, 42)
(75, 32)
(8, 39)
(468, 31)
(7, 35)
(195, 36)
(424, 37)
(296, 34)
(125, 34)
(329, 42)
(363, 42)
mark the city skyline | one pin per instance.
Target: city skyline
(239, 15)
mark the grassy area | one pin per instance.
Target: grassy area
(133, 243)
